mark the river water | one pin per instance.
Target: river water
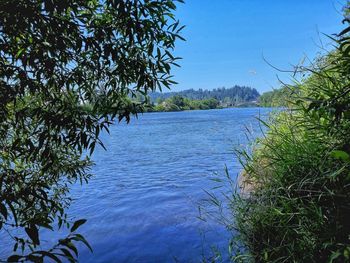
(142, 203)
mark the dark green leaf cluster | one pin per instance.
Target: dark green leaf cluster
(67, 70)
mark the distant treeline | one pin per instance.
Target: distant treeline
(206, 99)
(180, 103)
(236, 96)
(225, 96)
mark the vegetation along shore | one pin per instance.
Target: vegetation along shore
(298, 206)
(237, 96)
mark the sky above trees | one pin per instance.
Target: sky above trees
(227, 40)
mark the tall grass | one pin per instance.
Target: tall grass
(299, 209)
(298, 205)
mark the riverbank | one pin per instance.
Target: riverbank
(298, 174)
(174, 108)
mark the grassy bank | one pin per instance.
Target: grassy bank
(299, 207)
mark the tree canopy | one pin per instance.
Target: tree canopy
(57, 57)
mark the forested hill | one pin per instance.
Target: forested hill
(229, 96)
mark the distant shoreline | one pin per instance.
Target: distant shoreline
(233, 107)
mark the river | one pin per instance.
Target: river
(142, 202)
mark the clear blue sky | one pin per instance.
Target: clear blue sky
(227, 40)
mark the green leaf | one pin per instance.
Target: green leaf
(19, 52)
(34, 258)
(68, 255)
(344, 156)
(80, 238)
(77, 224)
(15, 247)
(334, 256)
(71, 246)
(33, 234)
(50, 255)
(14, 258)
(345, 31)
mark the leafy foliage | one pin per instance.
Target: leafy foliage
(278, 97)
(67, 69)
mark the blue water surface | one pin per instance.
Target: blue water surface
(142, 202)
